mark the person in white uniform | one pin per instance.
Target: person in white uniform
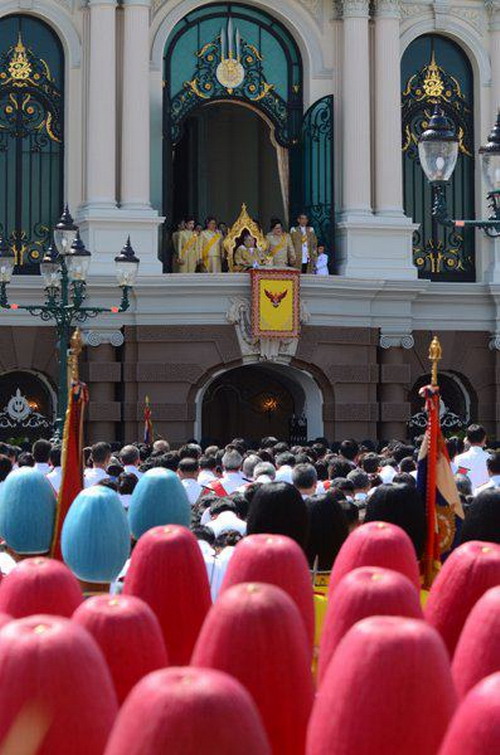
(473, 462)
(100, 454)
(493, 467)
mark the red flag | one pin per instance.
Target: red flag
(148, 424)
(437, 485)
(72, 460)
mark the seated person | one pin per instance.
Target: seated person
(247, 254)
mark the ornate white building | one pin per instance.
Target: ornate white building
(130, 113)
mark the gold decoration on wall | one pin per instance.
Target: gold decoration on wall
(433, 83)
(19, 67)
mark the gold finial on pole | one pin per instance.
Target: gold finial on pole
(76, 348)
(435, 354)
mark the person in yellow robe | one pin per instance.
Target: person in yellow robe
(187, 248)
(248, 255)
(175, 244)
(210, 247)
(281, 252)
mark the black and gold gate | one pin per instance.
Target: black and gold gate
(31, 136)
(435, 71)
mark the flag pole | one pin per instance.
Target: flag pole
(435, 355)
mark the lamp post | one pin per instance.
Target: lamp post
(438, 152)
(64, 268)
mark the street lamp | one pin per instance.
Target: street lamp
(64, 269)
(438, 153)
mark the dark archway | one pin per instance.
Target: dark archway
(27, 405)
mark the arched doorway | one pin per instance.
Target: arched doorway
(258, 400)
(458, 404)
(27, 406)
(216, 149)
(224, 53)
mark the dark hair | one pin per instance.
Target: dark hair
(349, 449)
(401, 451)
(190, 451)
(401, 505)
(55, 456)
(475, 434)
(241, 505)
(228, 538)
(114, 469)
(100, 452)
(285, 458)
(207, 462)
(274, 222)
(204, 533)
(408, 464)
(350, 511)
(188, 465)
(339, 467)
(343, 484)
(127, 483)
(482, 519)
(370, 463)
(277, 508)
(493, 463)
(328, 529)
(209, 220)
(304, 476)
(220, 505)
(26, 459)
(404, 478)
(454, 445)
(359, 479)
(41, 450)
(5, 466)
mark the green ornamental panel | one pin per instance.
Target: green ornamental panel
(436, 71)
(31, 136)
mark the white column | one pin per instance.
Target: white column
(135, 158)
(101, 110)
(388, 161)
(495, 58)
(356, 109)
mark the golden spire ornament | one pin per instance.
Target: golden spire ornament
(435, 355)
(76, 348)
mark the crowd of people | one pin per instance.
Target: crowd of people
(201, 249)
(316, 493)
(277, 580)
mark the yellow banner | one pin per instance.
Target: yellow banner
(275, 303)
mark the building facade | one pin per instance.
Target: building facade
(137, 113)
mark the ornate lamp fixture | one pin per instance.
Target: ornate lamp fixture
(438, 152)
(64, 269)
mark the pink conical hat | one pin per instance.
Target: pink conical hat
(475, 727)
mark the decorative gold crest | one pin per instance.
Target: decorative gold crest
(433, 84)
(19, 66)
(230, 73)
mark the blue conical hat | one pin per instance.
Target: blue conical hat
(95, 539)
(159, 498)
(27, 511)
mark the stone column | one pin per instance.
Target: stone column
(388, 162)
(356, 109)
(102, 372)
(495, 57)
(135, 157)
(394, 384)
(101, 107)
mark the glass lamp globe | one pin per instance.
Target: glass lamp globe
(490, 158)
(50, 268)
(7, 261)
(78, 260)
(127, 266)
(64, 232)
(438, 148)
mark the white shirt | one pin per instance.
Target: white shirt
(493, 482)
(206, 477)
(321, 267)
(43, 467)
(216, 565)
(93, 476)
(7, 563)
(284, 474)
(130, 469)
(125, 499)
(193, 490)
(226, 522)
(387, 474)
(474, 461)
(55, 478)
(231, 481)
